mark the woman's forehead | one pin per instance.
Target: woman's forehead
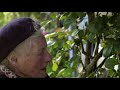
(40, 40)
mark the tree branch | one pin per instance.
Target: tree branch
(90, 66)
(96, 49)
(83, 65)
(97, 45)
(88, 51)
(83, 51)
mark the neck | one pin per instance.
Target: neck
(17, 72)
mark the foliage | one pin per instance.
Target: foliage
(101, 30)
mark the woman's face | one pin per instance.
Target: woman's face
(34, 59)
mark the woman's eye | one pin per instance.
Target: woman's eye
(41, 51)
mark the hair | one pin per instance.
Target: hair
(18, 49)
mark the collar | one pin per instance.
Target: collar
(8, 73)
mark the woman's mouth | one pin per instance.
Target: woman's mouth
(44, 69)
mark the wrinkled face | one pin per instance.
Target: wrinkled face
(34, 58)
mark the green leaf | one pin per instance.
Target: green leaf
(55, 45)
(74, 33)
(75, 61)
(67, 23)
(50, 43)
(99, 28)
(67, 72)
(61, 35)
(53, 15)
(63, 17)
(111, 72)
(69, 42)
(107, 50)
(66, 46)
(55, 66)
(81, 33)
(49, 69)
(60, 72)
(91, 28)
(46, 22)
(103, 44)
(81, 14)
(92, 38)
(110, 63)
(58, 60)
(51, 35)
(73, 16)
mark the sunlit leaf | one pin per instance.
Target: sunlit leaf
(69, 42)
(60, 72)
(54, 67)
(51, 35)
(58, 60)
(63, 17)
(50, 43)
(53, 15)
(61, 35)
(74, 33)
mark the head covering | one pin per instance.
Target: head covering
(13, 34)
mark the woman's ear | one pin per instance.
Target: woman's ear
(12, 58)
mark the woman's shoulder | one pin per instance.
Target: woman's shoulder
(2, 75)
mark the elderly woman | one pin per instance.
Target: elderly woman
(23, 50)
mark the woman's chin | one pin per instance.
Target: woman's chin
(43, 74)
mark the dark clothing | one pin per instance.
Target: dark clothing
(2, 75)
